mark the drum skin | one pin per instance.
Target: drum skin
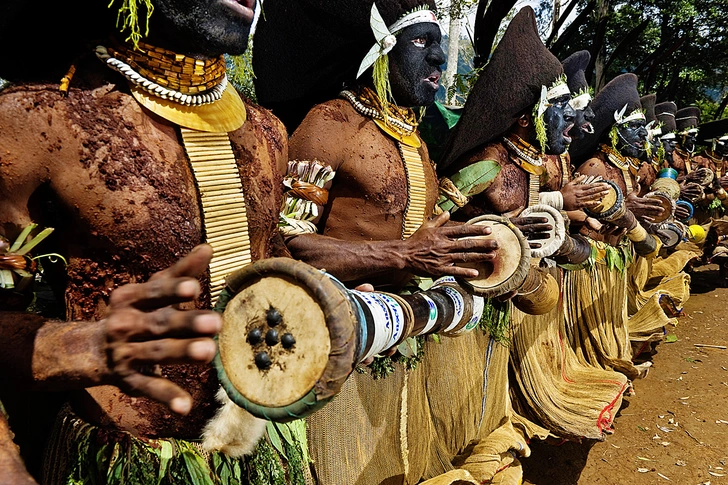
(510, 267)
(316, 312)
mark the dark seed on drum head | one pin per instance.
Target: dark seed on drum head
(271, 338)
(262, 360)
(273, 317)
(255, 336)
(288, 340)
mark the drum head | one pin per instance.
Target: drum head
(609, 205)
(670, 235)
(667, 204)
(556, 235)
(509, 268)
(288, 339)
(705, 175)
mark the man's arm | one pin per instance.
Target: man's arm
(435, 250)
(143, 328)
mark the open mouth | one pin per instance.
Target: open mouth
(243, 8)
(565, 134)
(587, 128)
(433, 80)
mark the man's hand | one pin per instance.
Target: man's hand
(144, 328)
(578, 196)
(690, 191)
(723, 182)
(534, 228)
(681, 212)
(436, 249)
(644, 208)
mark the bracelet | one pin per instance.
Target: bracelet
(553, 199)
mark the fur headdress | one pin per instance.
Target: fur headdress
(575, 69)
(515, 81)
(687, 118)
(305, 51)
(665, 114)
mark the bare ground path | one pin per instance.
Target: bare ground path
(675, 428)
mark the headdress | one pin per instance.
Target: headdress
(575, 69)
(522, 75)
(665, 114)
(617, 103)
(713, 130)
(687, 119)
(654, 129)
(305, 51)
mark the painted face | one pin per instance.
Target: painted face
(669, 146)
(559, 119)
(688, 142)
(721, 148)
(632, 138)
(204, 28)
(583, 119)
(414, 65)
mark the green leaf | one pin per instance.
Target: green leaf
(285, 432)
(275, 438)
(197, 468)
(165, 455)
(671, 338)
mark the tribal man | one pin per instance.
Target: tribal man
(148, 153)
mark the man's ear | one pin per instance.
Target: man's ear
(524, 121)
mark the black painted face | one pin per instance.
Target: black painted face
(205, 28)
(632, 138)
(414, 65)
(721, 148)
(669, 146)
(559, 119)
(583, 119)
(689, 141)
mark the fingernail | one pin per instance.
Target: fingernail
(187, 289)
(208, 323)
(181, 405)
(202, 350)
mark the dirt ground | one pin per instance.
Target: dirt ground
(675, 428)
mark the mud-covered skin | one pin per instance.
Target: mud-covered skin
(681, 160)
(114, 181)
(508, 194)
(368, 196)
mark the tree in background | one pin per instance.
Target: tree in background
(678, 48)
(456, 11)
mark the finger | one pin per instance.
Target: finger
(466, 230)
(472, 257)
(156, 293)
(537, 228)
(538, 236)
(163, 351)
(366, 287)
(579, 179)
(458, 272)
(192, 265)
(171, 323)
(474, 244)
(439, 220)
(530, 220)
(159, 389)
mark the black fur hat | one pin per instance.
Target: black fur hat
(574, 67)
(687, 118)
(305, 50)
(712, 130)
(618, 93)
(648, 104)
(509, 86)
(665, 114)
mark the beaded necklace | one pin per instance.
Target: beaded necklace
(529, 159)
(628, 165)
(163, 73)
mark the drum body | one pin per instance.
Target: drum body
(293, 334)
(508, 270)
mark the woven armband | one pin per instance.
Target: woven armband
(305, 195)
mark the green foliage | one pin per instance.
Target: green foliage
(678, 48)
